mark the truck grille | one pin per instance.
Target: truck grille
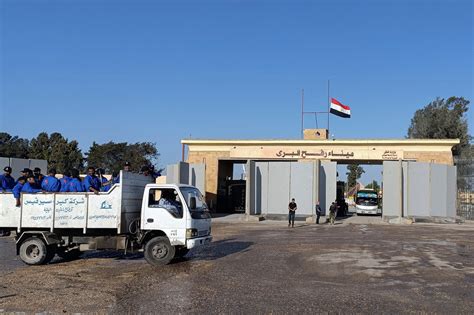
(203, 233)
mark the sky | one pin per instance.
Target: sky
(161, 71)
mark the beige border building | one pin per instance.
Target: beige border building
(211, 152)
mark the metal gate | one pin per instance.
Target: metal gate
(465, 204)
(272, 184)
(416, 189)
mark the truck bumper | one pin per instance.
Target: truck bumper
(196, 242)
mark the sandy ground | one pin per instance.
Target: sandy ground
(263, 268)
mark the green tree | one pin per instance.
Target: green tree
(442, 119)
(373, 185)
(111, 156)
(57, 150)
(355, 171)
(13, 146)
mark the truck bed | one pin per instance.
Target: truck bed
(114, 209)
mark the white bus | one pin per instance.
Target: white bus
(367, 202)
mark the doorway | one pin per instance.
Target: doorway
(231, 186)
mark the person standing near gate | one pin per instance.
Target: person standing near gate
(318, 212)
(332, 213)
(292, 207)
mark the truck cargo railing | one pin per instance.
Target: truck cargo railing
(105, 210)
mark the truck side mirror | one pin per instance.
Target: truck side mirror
(192, 203)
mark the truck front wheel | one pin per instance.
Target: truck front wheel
(34, 251)
(158, 251)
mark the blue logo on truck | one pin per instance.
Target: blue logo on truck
(105, 205)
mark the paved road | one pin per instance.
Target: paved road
(265, 268)
(8, 259)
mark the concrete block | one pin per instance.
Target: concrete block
(399, 220)
(253, 218)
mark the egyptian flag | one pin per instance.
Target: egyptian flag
(340, 109)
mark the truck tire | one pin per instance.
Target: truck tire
(158, 251)
(33, 251)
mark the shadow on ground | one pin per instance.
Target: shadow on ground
(217, 250)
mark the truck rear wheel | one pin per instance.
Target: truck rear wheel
(158, 251)
(33, 251)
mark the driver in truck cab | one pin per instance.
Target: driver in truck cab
(168, 201)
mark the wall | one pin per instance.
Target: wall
(430, 157)
(19, 164)
(416, 189)
(392, 188)
(327, 187)
(211, 161)
(188, 174)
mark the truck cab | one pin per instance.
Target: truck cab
(180, 213)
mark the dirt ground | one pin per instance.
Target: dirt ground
(263, 268)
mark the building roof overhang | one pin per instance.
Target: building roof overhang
(408, 142)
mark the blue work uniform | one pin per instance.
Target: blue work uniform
(105, 187)
(91, 181)
(65, 184)
(28, 188)
(75, 185)
(51, 184)
(17, 190)
(6, 182)
(39, 181)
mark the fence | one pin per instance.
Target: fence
(465, 205)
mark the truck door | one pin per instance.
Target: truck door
(165, 211)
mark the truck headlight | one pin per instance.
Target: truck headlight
(190, 233)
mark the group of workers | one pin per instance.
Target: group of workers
(32, 181)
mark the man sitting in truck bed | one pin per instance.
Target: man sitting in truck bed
(30, 185)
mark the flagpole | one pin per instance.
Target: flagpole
(302, 113)
(329, 107)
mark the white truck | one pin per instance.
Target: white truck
(162, 220)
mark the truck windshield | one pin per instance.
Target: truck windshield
(189, 192)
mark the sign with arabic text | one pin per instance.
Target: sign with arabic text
(303, 154)
(390, 155)
(37, 210)
(70, 211)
